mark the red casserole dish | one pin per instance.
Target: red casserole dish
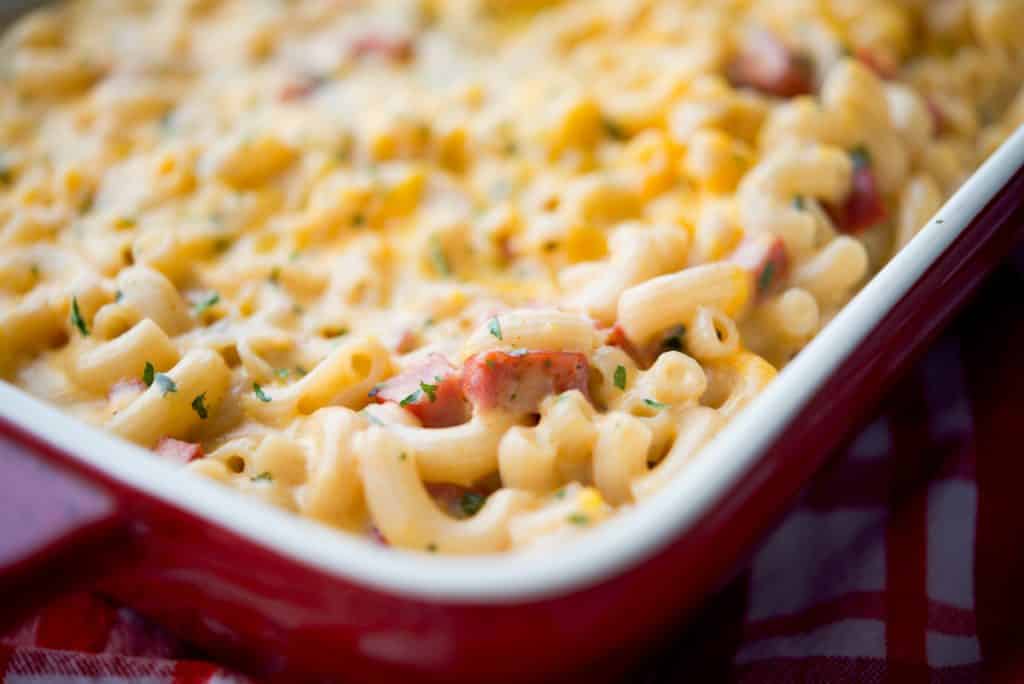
(284, 597)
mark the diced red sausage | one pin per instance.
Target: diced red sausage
(177, 451)
(431, 390)
(864, 207)
(391, 48)
(617, 337)
(765, 257)
(882, 63)
(648, 353)
(940, 122)
(767, 64)
(518, 381)
(299, 88)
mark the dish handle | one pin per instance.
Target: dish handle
(58, 531)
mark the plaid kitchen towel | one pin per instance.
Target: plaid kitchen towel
(901, 563)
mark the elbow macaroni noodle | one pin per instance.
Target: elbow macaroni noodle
(464, 276)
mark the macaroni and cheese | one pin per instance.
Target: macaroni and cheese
(463, 276)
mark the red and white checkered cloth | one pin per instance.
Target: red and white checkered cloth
(900, 564)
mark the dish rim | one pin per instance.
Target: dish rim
(626, 540)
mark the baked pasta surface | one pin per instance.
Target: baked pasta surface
(463, 276)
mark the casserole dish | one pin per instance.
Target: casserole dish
(282, 596)
(288, 598)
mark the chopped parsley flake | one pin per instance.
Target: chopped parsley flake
(614, 129)
(799, 202)
(860, 156)
(263, 477)
(199, 407)
(118, 296)
(494, 326)
(471, 502)
(147, 374)
(578, 519)
(438, 258)
(764, 281)
(560, 493)
(260, 394)
(282, 373)
(205, 303)
(6, 175)
(165, 384)
(620, 377)
(655, 404)
(76, 318)
(410, 399)
(429, 390)
(359, 220)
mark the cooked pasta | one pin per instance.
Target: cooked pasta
(463, 276)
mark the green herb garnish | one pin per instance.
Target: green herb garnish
(613, 129)
(282, 373)
(494, 326)
(620, 377)
(471, 502)
(199, 407)
(147, 374)
(165, 383)
(799, 202)
(260, 394)
(429, 390)
(263, 477)
(764, 280)
(860, 156)
(76, 318)
(203, 304)
(438, 258)
(410, 399)
(655, 404)
(578, 519)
